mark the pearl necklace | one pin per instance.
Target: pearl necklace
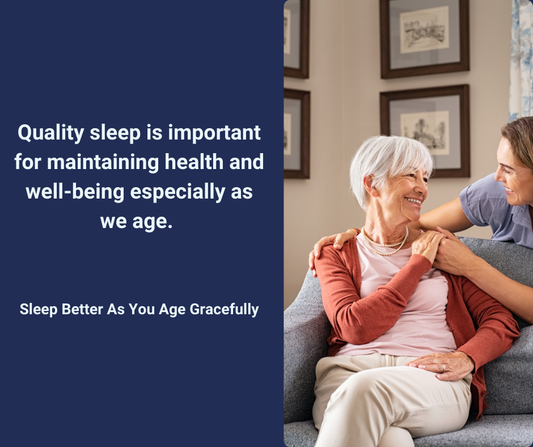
(368, 241)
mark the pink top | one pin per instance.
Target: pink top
(421, 327)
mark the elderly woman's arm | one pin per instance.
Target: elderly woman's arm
(355, 320)
(359, 321)
(496, 327)
(496, 331)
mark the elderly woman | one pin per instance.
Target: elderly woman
(408, 342)
(503, 200)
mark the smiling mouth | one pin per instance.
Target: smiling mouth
(418, 202)
(507, 189)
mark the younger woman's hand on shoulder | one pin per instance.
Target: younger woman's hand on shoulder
(338, 240)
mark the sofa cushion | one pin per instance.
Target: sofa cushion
(300, 434)
(489, 431)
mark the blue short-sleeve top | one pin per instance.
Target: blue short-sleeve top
(485, 203)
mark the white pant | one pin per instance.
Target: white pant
(373, 400)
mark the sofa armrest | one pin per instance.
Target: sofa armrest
(306, 329)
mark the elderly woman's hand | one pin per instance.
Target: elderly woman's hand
(427, 244)
(450, 367)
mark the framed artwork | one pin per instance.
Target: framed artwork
(296, 38)
(438, 117)
(420, 37)
(296, 133)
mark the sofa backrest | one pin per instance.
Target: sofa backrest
(514, 261)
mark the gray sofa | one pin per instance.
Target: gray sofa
(508, 420)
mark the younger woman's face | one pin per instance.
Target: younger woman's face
(517, 180)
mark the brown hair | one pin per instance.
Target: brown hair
(519, 133)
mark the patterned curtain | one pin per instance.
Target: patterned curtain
(521, 94)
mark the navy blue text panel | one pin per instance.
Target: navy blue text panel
(142, 234)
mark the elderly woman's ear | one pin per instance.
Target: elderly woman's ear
(368, 181)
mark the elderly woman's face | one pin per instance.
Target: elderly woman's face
(517, 180)
(404, 194)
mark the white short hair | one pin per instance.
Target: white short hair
(383, 158)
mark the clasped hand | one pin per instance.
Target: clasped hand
(453, 256)
(427, 244)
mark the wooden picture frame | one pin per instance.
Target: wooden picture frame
(439, 117)
(296, 133)
(296, 39)
(420, 37)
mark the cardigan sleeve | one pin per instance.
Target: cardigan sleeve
(496, 329)
(355, 320)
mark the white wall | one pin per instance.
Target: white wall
(345, 84)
